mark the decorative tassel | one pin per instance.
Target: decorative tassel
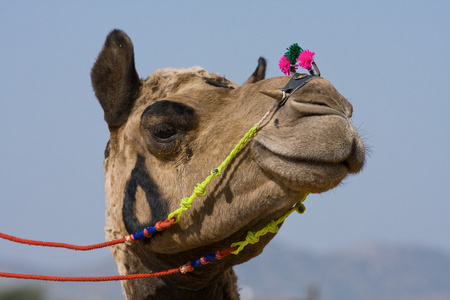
(295, 54)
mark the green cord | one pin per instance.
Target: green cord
(253, 237)
(199, 189)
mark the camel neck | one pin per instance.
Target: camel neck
(213, 281)
(221, 287)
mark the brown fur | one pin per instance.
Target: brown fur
(308, 145)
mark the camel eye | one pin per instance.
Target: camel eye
(164, 132)
(165, 126)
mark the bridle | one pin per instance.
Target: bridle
(295, 83)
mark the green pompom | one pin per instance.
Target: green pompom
(293, 52)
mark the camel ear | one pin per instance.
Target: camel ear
(114, 78)
(260, 72)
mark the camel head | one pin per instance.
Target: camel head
(169, 131)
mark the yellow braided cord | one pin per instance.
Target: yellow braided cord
(199, 189)
(253, 237)
(238, 147)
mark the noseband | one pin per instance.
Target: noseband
(295, 83)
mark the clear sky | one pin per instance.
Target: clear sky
(389, 58)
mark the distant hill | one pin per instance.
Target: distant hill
(369, 272)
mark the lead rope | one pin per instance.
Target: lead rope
(174, 217)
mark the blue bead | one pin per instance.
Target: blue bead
(138, 235)
(151, 230)
(210, 257)
(196, 263)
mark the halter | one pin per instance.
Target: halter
(295, 83)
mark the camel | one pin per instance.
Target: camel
(169, 131)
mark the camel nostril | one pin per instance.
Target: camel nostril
(322, 94)
(306, 108)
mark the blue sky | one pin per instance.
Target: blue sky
(389, 58)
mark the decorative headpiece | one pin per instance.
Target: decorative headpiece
(288, 65)
(295, 54)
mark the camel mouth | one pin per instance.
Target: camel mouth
(295, 160)
(315, 175)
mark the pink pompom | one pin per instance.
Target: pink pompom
(285, 65)
(305, 58)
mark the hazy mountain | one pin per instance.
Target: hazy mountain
(369, 272)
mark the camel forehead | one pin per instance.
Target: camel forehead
(200, 91)
(169, 81)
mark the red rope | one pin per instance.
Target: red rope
(162, 225)
(61, 245)
(219, 254)
(224, 252)
(89, 279)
